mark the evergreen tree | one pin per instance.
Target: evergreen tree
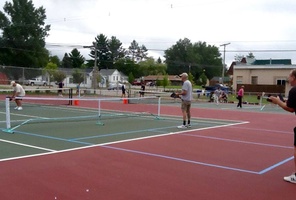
(66, 62)
(137, 53)
(76, 59)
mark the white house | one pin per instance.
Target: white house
(107, 76)
(112, 76)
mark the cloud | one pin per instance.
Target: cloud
(254, 25)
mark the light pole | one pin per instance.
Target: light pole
(223, 61)
(189, 69)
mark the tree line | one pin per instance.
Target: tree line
(22, 44)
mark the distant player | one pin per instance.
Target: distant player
(60, 91)
(18, 91)
(123, 90)
(142, 92)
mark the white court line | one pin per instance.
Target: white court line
(26, 145)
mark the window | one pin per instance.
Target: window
(281, 81)
(254, 80)
(239, 79)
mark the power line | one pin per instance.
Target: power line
(264, 50)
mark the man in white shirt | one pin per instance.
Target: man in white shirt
(186, 97)
(18, 91)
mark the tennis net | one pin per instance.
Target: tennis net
(53, 109)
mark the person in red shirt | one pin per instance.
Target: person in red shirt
(240, 95)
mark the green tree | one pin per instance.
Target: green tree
(238, 57)
(165, 82)
(49, 71)
(180, 56)
(23, 34)
(137, 52)
(191, 79)
(55, 60)
(101, 50)
(76, 58)
(210, 60)
(78, 76)
(152, 67)
(66, 62)
(131, 78)
(194, 58)
(250, 55)
(107, 51)
(116, 50)
(128, 66)
(59, 76)
(159, 60)
(203, 78)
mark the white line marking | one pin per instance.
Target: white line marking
(26, 145)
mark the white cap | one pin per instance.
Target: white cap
(183, 74)
(12, 82)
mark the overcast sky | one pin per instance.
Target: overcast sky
(267, 28)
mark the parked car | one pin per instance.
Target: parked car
(209, 89)
(137, 82)
(114, 86)
(35, 81)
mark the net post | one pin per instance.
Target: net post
(260, 101)
(7, 112)
(99, 114)
(158, 108)
(70, 96)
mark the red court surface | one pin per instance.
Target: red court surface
(246, 161)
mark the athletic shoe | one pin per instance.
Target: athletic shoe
(20, 108)
(188, 126)
(16, 108)
(182, 126)
(291, 179)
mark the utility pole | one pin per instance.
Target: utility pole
(95, 68)
(189, 70)
(224, 65)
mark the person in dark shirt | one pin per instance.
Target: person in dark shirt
(60, 91)
(142, 92)
(290, 106)
(123, 91)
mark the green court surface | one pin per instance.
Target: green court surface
(46, 129)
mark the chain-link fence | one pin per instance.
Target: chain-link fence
(23, 74)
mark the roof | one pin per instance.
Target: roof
(280, 67)
(107, 72)
(273, 62)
